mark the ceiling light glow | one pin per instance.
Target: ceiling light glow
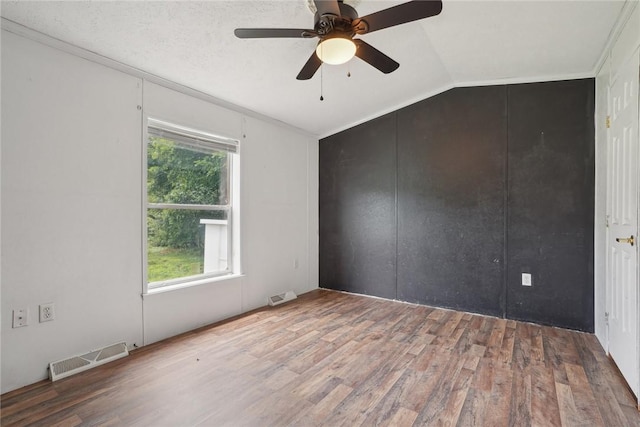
(336, 50)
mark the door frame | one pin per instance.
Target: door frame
(602, 234)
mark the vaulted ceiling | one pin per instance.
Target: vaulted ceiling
(469, 43)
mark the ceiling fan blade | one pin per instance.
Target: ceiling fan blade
(310, 68)
(260, 33)
(374, 57)
(327, 6)
(396, 15)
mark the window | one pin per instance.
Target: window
(189, 204)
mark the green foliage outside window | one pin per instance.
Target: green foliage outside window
(177, 174)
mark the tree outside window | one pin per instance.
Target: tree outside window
(188, 207)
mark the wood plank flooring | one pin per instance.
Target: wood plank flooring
(335, 359)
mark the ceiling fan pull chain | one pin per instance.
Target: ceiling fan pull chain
(321, 75)
(321, 97)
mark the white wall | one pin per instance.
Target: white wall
(72, 209)
(275, 207)
(70, 214)
(624, 45)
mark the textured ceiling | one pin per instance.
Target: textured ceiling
(192, 43)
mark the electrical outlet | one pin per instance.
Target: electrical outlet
(20, 317)
(526, 279)
(296, 263)
(47, 312)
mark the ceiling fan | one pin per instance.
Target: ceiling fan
(336, 23)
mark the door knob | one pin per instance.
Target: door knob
(628, 240)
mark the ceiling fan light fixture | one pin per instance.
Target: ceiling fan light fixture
(336, 50)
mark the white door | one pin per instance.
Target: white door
(622, 212)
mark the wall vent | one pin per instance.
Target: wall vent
(282, 298)
(73, 365)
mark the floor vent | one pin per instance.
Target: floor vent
(73, 365)
(282, 298)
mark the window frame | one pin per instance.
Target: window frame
(210, 141)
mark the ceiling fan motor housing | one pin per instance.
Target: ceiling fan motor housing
(328, 23)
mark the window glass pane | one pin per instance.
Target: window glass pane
(184, 174)
(184, 242)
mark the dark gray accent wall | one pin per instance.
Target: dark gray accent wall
(451, 174)
(551, 203)
(358, 210)
(446, 202)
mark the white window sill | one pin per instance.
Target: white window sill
(192, 283)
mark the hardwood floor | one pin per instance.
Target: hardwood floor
(335, 359)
